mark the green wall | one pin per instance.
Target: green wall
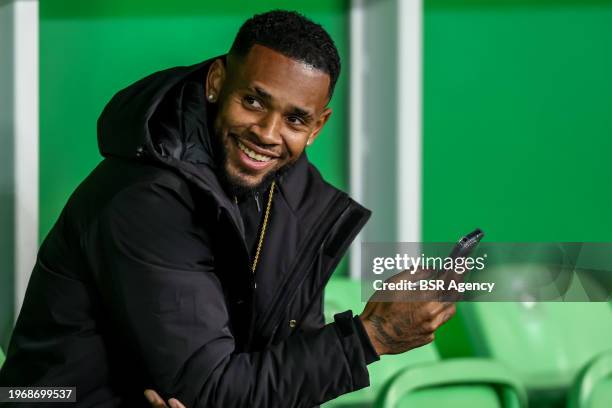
(91, 49)
(517, 125)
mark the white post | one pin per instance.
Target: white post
(385, 119)
(409, 118)
(25, 103)
(356, 132)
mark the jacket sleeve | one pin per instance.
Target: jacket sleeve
(153, 264)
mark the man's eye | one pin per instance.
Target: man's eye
(295, 120)
(252, 102)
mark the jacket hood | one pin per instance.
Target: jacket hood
(161, 117)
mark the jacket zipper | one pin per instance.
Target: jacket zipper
(257, 201)
(296, 274)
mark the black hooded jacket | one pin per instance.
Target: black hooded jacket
(145, 281)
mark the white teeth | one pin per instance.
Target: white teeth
(252, 154)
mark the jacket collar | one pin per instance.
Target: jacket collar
(292, 184)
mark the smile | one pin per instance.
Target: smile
(253, 155)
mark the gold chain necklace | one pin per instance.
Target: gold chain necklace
(263, 227)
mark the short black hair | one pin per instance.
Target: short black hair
(293, 35)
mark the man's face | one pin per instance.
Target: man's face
(269, 108)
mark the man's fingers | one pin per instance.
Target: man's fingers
(154, 399)
(445, 314)
(450, 312)
(174, 403)
(449, 305)
(437, 308)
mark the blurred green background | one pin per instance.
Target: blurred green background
(517, 131)
(517, 94)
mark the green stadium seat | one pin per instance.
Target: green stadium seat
(593, 385)
(459, 383)
(545, 344)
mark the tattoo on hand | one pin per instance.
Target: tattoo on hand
(382, 336)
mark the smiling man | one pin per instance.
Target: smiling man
(271, 107)
(192, 260)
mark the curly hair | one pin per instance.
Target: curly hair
(292, 35)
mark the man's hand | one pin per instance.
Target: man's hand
(400, 324)
(157, 402)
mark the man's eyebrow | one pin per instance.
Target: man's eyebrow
(294, 110)
(261, 93)
(301, 113)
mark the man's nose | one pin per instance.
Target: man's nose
(268, 129)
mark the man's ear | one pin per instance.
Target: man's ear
(215, 80)
(321, 121)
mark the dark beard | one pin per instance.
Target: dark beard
(236, 189)
(233, 187)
